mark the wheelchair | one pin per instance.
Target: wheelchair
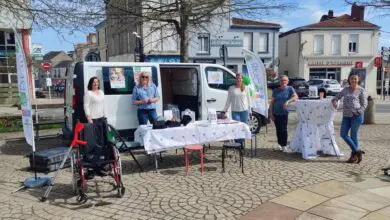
(89, 159)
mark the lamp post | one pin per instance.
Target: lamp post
(139, 50)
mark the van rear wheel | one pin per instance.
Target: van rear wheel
(255, 122)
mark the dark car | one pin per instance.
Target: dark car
(299, 84)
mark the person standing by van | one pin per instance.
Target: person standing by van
(354, 104)
(281, 98)
(94, 108)
(239, 99)
(145, 96)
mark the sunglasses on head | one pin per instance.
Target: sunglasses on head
(145, 77)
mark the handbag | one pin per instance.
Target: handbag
(185, 120)
(159, 125)
(172, 124)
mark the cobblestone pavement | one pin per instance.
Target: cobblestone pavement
(169, 194)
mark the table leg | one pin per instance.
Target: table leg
(37, 132)
(156, 162)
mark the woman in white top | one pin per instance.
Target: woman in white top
(94, 108)
(239, 99)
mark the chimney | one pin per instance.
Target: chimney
(357, 12)
(330, 14)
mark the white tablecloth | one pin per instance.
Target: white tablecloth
(199, 132)
(315, 130)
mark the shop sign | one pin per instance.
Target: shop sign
(378, 61)
(163, 59)
(358, 64)
(330, 63)
(226, 42)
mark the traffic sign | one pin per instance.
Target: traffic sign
(48, 82)
(46, 66)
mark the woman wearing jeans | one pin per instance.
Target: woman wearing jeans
(354, 104)
(240, 100)
(281, 98)
(145, 96)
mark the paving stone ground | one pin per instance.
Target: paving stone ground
(170, 194)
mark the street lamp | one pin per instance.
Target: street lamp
(138, 51)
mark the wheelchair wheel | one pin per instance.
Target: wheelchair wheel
(75, 175)
(121, 189)
(82, 198)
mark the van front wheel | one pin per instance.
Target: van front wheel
(254, 122)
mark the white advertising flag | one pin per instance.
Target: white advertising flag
(258, 83)
(24, 93)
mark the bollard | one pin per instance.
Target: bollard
(369, 113)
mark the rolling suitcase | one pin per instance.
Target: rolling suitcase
(49, 160)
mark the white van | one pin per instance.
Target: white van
(193, 86)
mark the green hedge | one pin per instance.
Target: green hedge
(14, 123)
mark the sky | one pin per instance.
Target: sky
(308, 12)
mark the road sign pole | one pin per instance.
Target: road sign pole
(382, 82)
(47, 74)
(382, 75)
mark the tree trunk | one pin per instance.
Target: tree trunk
(183, 32)
(184, 45)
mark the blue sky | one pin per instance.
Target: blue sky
(309, 11)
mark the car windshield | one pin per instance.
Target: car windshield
(314, 82)
(298, 82)
(332, 82)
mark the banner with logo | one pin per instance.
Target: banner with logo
(24, 92)
(258, 82)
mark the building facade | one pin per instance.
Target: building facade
(8, 75)
(235, 34)
(101, 34)
(133, 40)
(332, 48)
(87, 51)
(59, 61)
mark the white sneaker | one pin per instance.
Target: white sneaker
(287, 149)
(280, 148)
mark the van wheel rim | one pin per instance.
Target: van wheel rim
(253, 123)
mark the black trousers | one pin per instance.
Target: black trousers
(281, 129)
(100, 127)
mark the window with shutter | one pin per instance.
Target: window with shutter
(263, 43)
(336, 44)
(204, 43)
(248, 41)
(319, 44)
(353, 43)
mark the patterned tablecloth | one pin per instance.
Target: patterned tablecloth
(200, 132)
(315, 130)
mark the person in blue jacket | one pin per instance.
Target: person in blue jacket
(281, 98)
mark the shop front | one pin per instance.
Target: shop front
(329, 68)
(325, 73)
(340, 70)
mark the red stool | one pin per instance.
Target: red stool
(194, 148)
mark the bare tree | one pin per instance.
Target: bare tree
(178, 15)
(381, 6)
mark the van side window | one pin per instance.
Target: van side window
(120, 80)
(216, 83)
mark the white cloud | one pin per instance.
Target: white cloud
(282, 23)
